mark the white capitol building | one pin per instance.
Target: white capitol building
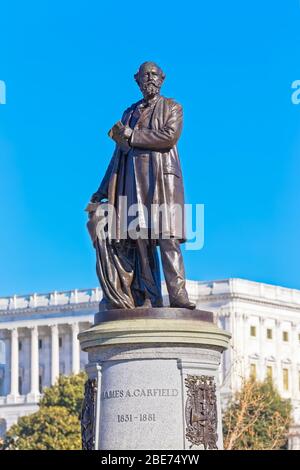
(38, 340)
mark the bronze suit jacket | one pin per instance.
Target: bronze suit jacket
(158, 140)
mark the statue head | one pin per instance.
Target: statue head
(149, 78)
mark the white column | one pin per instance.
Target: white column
(75, 349)
(278, 372)
(34, 372)
(243, 353)
(245, 339)
(294, 367)
(261, 372)
(14, 364)
(239, 359)
(232, 351)
(54, 354)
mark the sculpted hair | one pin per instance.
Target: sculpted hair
(149, 64)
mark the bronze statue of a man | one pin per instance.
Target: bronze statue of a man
(144, 169)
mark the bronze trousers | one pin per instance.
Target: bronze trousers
(148, 271)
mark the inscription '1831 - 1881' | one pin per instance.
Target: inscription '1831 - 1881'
(140, 392)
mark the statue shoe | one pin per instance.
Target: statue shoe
(182, 302)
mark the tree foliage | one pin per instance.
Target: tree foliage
(257, 418)
(67, 392)
(56, 425)
(50, 428)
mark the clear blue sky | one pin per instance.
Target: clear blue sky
(68, 68)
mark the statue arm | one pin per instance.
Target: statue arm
(102, 191)
(164, 138)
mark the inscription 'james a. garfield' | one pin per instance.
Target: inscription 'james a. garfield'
(140, 392)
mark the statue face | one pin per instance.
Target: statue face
(150, 80)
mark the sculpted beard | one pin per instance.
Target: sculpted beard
(149, 89)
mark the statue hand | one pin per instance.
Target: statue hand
(125, 132)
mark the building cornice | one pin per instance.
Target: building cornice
(248, 299)
(218, 291)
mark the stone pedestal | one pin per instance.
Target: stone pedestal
(153, 380)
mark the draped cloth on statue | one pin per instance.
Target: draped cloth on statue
(118, 265)
(115, 263)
